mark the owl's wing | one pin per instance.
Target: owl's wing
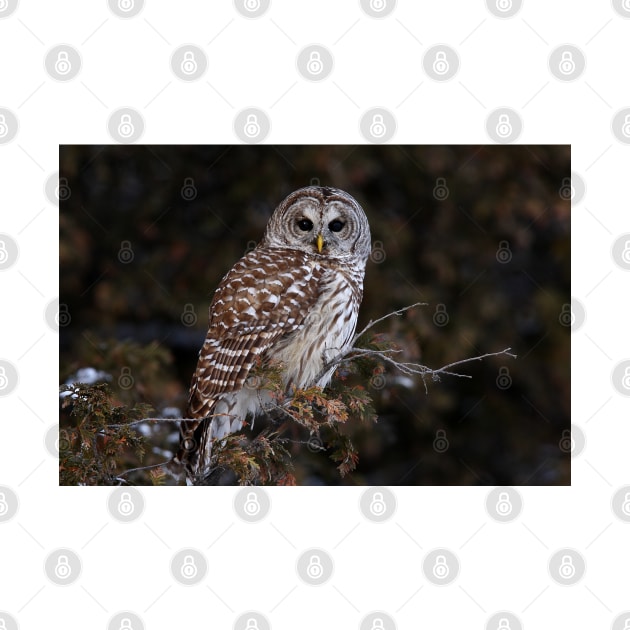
(263, 298)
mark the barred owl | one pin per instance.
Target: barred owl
(292, 301)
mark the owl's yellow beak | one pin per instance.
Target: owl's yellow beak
(320, 243)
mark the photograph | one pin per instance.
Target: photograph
(378, 315)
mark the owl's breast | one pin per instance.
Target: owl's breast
(326, 331)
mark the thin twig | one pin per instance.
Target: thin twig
(373, 322)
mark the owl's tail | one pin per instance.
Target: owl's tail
(194, 459)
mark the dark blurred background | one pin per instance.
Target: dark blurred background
(480, 233)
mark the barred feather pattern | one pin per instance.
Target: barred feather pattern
(285, 302)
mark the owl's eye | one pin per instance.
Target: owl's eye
(305, 225)
(336, 225)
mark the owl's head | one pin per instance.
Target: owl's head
(322, 221)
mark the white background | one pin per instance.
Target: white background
(251, 62)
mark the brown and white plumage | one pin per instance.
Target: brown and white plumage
(293, 300)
